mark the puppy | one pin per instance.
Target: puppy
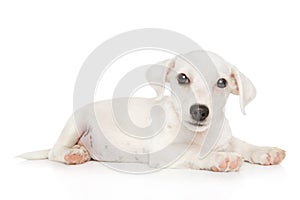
(191, 132)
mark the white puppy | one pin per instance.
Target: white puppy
(95, 132)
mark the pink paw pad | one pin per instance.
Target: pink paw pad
(78, 156)
(234, 164)
(228, 164)
(279, 157)
(271, 156)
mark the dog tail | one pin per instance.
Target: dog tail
(35, 155)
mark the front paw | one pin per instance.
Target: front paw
(267, 156)
(226, 162)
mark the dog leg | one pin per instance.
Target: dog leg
(255, 154)
(66, 149)
(214, 161)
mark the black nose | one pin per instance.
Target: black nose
(199, 112)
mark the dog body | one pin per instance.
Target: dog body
(101, 132)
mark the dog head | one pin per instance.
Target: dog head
(193, 91)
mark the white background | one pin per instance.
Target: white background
(43, 45)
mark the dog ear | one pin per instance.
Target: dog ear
(157, 75)
(243, 87)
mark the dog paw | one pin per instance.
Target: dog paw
(267, 156)
(78, 155)
(227, 162)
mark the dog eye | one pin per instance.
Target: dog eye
(183, 79)
(222, 83)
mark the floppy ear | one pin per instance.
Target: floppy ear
(157, 75)
(243, 87)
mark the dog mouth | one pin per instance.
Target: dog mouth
(197, 124)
